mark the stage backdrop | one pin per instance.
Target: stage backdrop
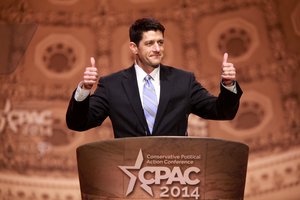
(45, 46)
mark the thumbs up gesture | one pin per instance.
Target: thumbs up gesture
(90, 75)
(228, 71)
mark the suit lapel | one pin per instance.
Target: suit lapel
(166, 87)
(131, 88)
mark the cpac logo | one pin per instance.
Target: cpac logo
(158, 174)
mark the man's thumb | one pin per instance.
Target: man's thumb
(93, 62)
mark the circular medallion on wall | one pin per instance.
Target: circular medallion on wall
(255, 112)
(59, 55)
(235, 36)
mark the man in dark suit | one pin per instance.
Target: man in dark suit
(159, 105)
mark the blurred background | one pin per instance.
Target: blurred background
(45, 46)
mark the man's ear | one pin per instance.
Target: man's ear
(133, 48)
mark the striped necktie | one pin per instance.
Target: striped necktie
(150, 102)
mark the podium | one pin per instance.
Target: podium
(162, 168)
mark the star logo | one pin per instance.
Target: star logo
(125, 169)
(158, 174)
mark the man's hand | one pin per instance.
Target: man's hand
(90, 75)
(228, 72)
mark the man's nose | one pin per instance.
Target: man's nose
(156, 47)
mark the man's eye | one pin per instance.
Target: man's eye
(149, 43)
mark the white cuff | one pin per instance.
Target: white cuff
(81, 93)
(231, 88)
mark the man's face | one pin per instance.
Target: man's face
(150, 50)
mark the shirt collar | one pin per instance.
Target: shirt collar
(141, 74)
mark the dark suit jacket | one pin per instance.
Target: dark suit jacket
(117, 97)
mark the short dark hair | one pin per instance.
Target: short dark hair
(142, 25)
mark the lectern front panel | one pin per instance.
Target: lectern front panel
(162, 168)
